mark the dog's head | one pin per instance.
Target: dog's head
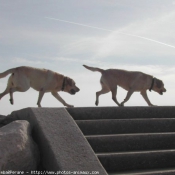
(70, 87)
(159, 86)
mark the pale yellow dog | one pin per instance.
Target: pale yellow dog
(129, 80)
(42, 80)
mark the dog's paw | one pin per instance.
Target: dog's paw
(96, 103)
(11, 101)
(152, 105)
(121, 105)
(70, 106)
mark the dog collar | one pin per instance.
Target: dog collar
(152, 84)
(64, 80)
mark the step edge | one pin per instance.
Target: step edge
(136, 152)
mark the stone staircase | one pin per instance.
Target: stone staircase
(130, 140)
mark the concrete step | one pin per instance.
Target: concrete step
(132, 161)
(91, 113)
(124, 126)
(132, 142)
(150, 172)
(61, 144)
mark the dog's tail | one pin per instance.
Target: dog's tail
(4, 74)
(94, 69)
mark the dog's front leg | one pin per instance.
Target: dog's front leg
(144, 95)
(57, 96)
(130, 92)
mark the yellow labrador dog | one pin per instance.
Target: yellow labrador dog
(42, 80)
(129, 80)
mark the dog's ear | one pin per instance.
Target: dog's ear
(158, 83)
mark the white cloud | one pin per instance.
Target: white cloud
(82, 61)
(158, 29)
(152, 38)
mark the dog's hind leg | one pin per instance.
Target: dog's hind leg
(11, 96)
(4, 93)
(104, 90)
(14, 84)
(114, 93)
(8, 88)
(41, 94)
(10, 91)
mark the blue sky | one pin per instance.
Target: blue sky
(124, 34)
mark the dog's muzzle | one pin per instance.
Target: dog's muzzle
(73, 92)
(161, 92)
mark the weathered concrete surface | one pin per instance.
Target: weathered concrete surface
(139, 160)
(124, 126)
(130, 140)
(18, 151)
(62, 144)
(2, 117)
(124, 139)
(90, 113)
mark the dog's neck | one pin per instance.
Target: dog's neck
(152, 84)
(63, 85)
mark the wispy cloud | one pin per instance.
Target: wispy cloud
(83, 61)
(24, 61)
(98, 28)
(150, 69)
